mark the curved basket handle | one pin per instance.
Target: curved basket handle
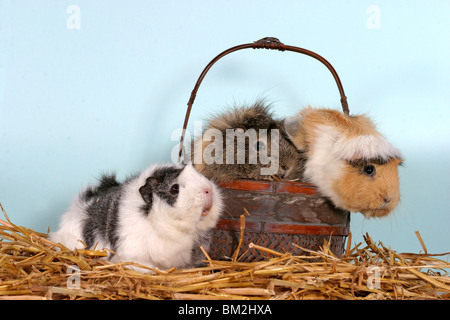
(264, 43)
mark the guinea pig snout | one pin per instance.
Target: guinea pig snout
(386, 201)
(207, 199)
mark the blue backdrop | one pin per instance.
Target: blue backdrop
(92, 86)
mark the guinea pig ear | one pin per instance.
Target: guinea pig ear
(291, 125)
(147, 189)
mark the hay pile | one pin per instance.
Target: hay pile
(32, 267)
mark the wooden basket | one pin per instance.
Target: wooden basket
(281, 213)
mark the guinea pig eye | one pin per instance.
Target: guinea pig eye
(369, 170)
(260, 146)
(174, 189)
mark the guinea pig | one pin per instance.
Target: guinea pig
(158, 218)
(349, 161)
(245, 143)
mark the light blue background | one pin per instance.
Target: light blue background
(107, 96)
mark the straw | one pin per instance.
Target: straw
(241, 238)
(34, 268)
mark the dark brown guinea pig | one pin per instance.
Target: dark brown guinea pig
(246, 143)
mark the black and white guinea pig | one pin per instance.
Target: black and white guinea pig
(158, 218)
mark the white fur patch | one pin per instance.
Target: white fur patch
(364, 147)
(322, 168)
(70, 228)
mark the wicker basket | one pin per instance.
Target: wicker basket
(281, 213)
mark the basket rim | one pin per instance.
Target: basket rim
(271, 186)
(284, 228)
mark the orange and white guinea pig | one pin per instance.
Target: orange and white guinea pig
(349, 161)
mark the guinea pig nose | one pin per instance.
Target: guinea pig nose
(208, 191)
(283, 171)
(208, 201)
